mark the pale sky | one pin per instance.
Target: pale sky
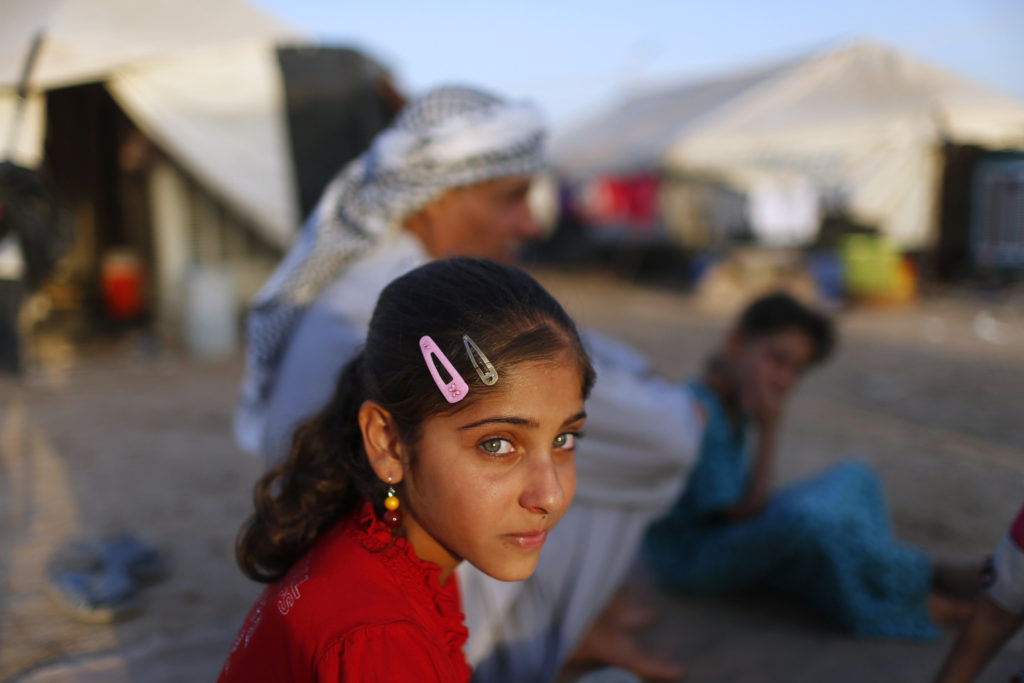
(573, 55)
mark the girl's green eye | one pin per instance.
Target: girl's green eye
(565, 441)
(497, 446)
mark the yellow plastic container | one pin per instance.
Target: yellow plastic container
(874, 270)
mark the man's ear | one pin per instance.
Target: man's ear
(416, 222)
(381, 442)
(426, 221)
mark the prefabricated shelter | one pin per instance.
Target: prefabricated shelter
(176, 128)
(863, 127)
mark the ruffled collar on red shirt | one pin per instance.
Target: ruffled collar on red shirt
(423, 577)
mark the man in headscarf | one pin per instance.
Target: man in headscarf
(451, 155)
(451, 177)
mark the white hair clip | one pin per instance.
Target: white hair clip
(488, 375)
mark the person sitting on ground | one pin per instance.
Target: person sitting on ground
(997, 615)
(449, 437)
(825, 541)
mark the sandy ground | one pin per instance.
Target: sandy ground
(117, 440)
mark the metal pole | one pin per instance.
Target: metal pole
(22, 93)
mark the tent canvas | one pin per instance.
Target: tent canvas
(864, 122)
(85, 40)
(207, 90)
(176, 131)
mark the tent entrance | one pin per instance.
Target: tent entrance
(981, 214)
(142, 223)
(98, 159)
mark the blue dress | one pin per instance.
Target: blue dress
(825, 541)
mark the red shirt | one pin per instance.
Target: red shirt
(359, 606)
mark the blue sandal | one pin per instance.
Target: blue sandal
(97, 597)
(97, 581)
(140, 560)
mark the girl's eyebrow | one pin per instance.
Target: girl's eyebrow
(575, 418)
(500, 420)
(519, 421)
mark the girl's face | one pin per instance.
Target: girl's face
(490, 481)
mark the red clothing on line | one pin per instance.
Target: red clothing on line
(359, 606)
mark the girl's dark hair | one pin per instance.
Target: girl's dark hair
(510, 317)
(780, 312)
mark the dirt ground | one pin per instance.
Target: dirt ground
(123, 439)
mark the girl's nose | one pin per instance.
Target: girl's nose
(543, 493)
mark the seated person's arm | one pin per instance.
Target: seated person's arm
(989, 628)
(760, 477)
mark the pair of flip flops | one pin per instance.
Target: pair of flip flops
(98, 581)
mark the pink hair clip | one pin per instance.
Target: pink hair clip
(456, 389)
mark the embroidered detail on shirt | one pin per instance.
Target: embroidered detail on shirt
(248, 628)
(290, 594)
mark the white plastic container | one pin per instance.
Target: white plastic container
(211, 313)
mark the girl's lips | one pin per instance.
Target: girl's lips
(528, 539)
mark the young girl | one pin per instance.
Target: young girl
(826, 541)
(450, 437)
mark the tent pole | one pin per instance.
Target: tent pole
(22, 93)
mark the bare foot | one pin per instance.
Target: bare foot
(611, 642)
(949, 612)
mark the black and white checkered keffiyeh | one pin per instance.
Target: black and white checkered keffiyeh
(450, 137)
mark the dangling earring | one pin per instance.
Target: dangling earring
(393, 516)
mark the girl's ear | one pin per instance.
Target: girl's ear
(380, 439)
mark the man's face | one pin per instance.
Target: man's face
(491, 219)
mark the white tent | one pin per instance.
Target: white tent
(864, 122)
(197, 76)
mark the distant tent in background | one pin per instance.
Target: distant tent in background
(177, 129)
(863, 127)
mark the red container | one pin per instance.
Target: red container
(121, 280)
